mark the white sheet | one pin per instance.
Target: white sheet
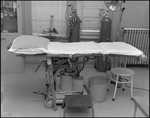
(74, 48)
(118, 48)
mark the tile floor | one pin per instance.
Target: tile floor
(17, 98)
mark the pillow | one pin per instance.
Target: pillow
(28, 41)
(30, 51)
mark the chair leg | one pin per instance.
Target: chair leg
(135, 108)
(108, 83)
(92, 112)
(115, 88)
(131, 87)
(123, 85)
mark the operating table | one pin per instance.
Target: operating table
(60, 56)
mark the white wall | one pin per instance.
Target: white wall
(136, 15)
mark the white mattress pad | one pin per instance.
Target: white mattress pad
(119, 48)
(91, 47)
(74, 48)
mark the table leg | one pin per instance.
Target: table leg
(51, 80)
(92, 112)
(135, 108)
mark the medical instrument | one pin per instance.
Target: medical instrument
(51, 29)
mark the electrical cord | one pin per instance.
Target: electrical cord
(72, 9)
(73, 15)
(69, 19)
(73, 19)
(84, 60)
(129, 86)
(136, 88)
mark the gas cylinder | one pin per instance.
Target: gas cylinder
(105, 30)
(75, 35)
(105, 34)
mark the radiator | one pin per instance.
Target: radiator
(139, 38)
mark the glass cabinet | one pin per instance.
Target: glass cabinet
(9, 17)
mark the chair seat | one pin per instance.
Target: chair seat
(80, 101)
(122, 71)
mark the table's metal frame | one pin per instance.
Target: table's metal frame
(51, 94)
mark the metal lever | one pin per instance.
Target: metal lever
(40, 93)
(37, 68)
(39, 65)
(70, 63)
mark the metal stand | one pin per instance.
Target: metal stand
(51, 90)
(51, 74)
(119, 24)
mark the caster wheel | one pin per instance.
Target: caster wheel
(48, 103)
(123, 89)
(107, 89)
(113, 99)
(131, 98)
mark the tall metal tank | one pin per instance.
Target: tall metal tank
(75, 34)
(105, 30)
(105, 35)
